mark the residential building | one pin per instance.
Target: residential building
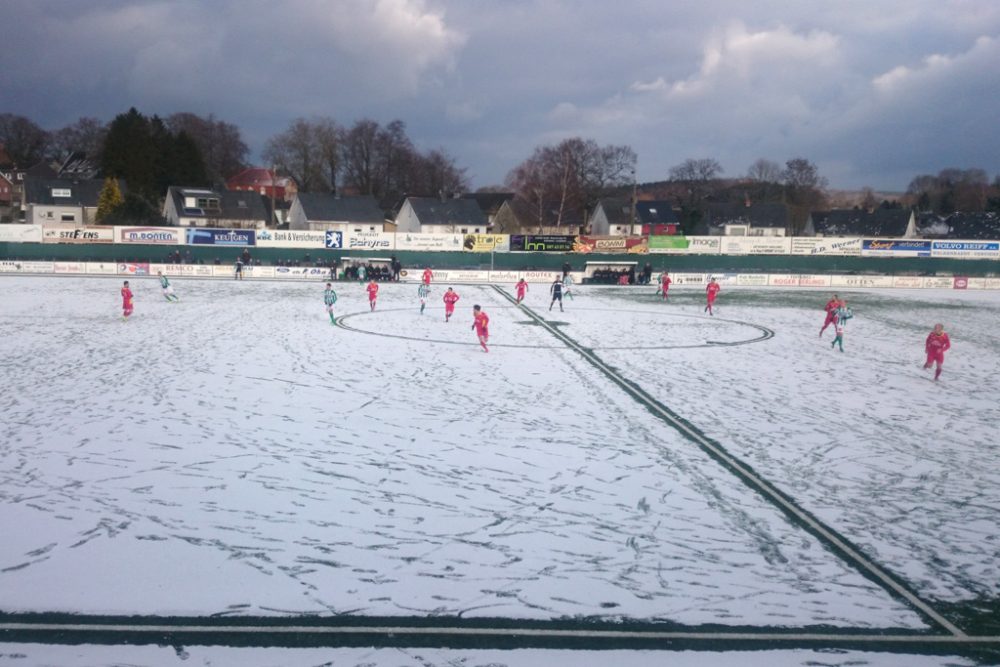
(265, 183)
(878, 223)
(489, 202)
(50, 201)
(747, 219)
(200, 207)
(614, 217)
(519, 216)
(326, 211)
(437, 215)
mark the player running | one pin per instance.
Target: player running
(936, 345)
(423, 292)
(428, 274)
(831, 313)
(664, 284)
(450, 297)
(126, 302)
(711, 291)
(843, 313)
(481, 323)
(568, 285)
(372, 293)
(239, 269)
(522, 289)
(168, 291)
(557, 292)
(330, 298)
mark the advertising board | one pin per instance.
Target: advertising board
(101, 268)
(756, 245)
(15, 233)
(222, 237)
(78, 234)
(810, 280)
(542, 242)
(861, 281)
(69, 267)
(444, 242)
(149, 235)
(754, 280)
(486, 242)
(611, 244)
(808, 245)
(908, 282)
(133, 269)
(966, 249)
(685, 245)
(379, 241)
(895, 248)
(939, 282)
(290, 238)
(783, 280)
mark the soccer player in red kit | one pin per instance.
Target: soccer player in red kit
(936, 345)
(522, 289)
(428, 274)
(126, 301)
(831, 313)
(711, 291)
(450, 297)
(665, 284)
(481, 323)
(372, 293)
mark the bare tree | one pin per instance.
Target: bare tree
(221, 143)
(358, 156)
(297, 152)
(764, 171)
(85, 135)
(804, 191)
(24, 141)
(570, 177)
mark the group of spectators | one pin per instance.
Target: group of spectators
(609, 276)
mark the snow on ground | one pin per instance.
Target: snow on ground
(160, 656)
(901, 465)
(237, 454)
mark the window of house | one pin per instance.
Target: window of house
(466, 231)
(68, 217)
(208, 203)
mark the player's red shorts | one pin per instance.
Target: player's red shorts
(483, 333)
(935, 356)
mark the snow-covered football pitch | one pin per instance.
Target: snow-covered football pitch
(624, 465)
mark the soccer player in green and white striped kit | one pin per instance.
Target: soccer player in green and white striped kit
(168, 291)
(423, 292)
(330, 298)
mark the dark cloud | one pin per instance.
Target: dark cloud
(874, 93)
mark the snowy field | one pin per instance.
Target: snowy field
(235, 454)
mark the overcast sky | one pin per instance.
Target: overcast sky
(874, 92)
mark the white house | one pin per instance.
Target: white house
(62, 201)
(435, 215)
(228, 209)
(326, 211)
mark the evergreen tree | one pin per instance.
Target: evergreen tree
(109, 200)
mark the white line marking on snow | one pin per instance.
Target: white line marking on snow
(757, 483)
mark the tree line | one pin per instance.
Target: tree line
(559, 183)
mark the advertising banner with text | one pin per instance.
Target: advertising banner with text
(756, 245)
(487, 242)
(541, 243)
(20, 233)
(290, 238)
(222, 237)
(445, 242)
(78, 234)
(375, 241)
(150, 235)
(685, 245)
(895, 248)
(611, 244)
(808, 245)
(966, 249)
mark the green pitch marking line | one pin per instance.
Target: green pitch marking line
(749, 477)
